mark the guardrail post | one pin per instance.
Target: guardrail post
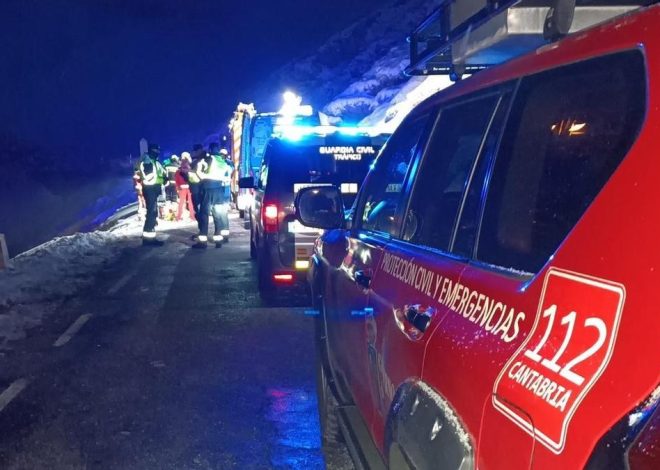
(4, 254)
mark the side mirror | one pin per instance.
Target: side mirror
(320, 207)
(246, 182)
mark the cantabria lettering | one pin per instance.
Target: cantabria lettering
(493, 316)
(543, 387)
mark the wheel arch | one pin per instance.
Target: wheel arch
(424, 430)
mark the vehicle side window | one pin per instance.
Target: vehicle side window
(445, 171)
(384, 186)
(469, 216)
(568, 131)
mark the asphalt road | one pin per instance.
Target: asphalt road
(170, 361)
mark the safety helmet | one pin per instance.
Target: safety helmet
(224, 152)
(186, 156)
(174, 158)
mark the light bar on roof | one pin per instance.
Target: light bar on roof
(295, 133)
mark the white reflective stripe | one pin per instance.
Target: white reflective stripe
(184, 186)
(349, 188)
(218, 238)
(224, 233)
(149, 234)
(202, 238)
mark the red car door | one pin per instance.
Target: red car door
(361, 249)
(418, 276)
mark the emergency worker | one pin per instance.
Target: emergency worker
(151, 175)
(194, 181)
(182, 177)
(225, 154)
(171, 167)
(215, 174)
(137, 184)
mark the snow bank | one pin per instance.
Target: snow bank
(388, 115)
(39, 280)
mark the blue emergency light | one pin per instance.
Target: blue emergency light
(295, 133)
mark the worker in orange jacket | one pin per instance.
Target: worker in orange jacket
(183, 187)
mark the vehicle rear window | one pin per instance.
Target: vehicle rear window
(292, 164)
(287, 165)
(568, 131)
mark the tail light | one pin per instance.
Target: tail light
(283, 278)
(270, 215)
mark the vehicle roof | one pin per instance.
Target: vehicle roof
(633, 30)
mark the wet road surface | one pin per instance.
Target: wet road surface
(170, 361)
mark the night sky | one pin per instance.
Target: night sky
(94, 76)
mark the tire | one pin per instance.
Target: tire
(327, 403)
(253, 245)
(265, 284)
(397, 459)
(253, 250)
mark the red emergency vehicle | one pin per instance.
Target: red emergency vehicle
(492, 301)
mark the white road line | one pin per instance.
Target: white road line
(121, 283)
(72, 330)
(127, 277)
(12, 392)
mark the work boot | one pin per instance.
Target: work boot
(218, 239)
(201, 242)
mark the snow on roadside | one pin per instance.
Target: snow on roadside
(39, 280)
(388, 115)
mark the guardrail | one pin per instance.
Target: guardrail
(120, 214)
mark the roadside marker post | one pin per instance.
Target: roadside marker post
(4, 253)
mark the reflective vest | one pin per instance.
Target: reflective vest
(193, 174)
(151, 171)
(215, 170)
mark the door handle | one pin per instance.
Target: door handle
(419, 316)
(363, 278)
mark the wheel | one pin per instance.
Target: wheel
(253, 250)
(265, 283)
(397, 459)
(330, 431)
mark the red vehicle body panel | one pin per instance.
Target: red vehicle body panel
(587, 322)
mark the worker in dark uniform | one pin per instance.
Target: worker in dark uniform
(193, 178)
(152, 176)
(215, 174)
